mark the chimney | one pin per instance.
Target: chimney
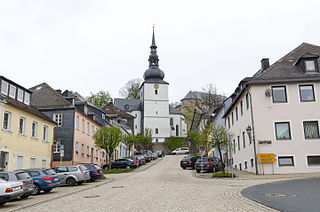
(264, 64)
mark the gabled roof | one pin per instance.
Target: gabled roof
(45, 97)
(173, 110)
(194, 95)
(128, 104)
(285, 70)
(113, 111)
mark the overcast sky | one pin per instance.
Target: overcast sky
(92, 45)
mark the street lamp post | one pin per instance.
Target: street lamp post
(249, 130)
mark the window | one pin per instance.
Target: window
(93, 130)
(45, 133)
(56, 146)
(247, 100)
(310, 65)
(234, 145)
(313, 160)
(82, 125)
(20, 95)
(177, 130)
(311, 129)
(251, 162)
(6, 121)
(88, 128)
(171, 121)
(156, 92)
(57, 117)
(4, 87)
(279, 94)
(97, 154)
(82, 149)
(126, 107)
(78, 122)
(44, 163)
(32, 162)
(229, 122)
(282, 130)
(103, 116)
(26, 98)
(61, 169)
(34, 133)
(285, 161)
(244, 139)
(245, 165)
(22, 125)
(241, 107)
(157, 131)
(12, 91)
(240, 166)
(232, 120)
(239, 143)
(85, 110)
(88, 150)
(77, 147)
(20, 162)
(236, 113)
(306, 93)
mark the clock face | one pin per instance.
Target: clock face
(156, 86)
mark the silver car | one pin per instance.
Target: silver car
(72, 174)
(181, 150)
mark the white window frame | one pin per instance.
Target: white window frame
(34, 131)
(88, 128)
(291, 139)
(45, 136)
(26, 98)
(20, 95)
(312, 166)
(83, 125)
(33, 159)
(9, 121)
(12, 91)
(56, 146)
(287, 166)
(57, 117)
(93, 132)
(44, 160)
(77, 147)
(22, 161)
(4, 87)
(23, 126)
(78, 122)
(82, 149)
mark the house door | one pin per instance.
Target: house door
(4, 161)
(92, 155)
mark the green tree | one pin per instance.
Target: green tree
(100, 99)
(144, 140)
(131, 90)
(130, 140)
(108, 138)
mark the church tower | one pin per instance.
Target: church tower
(155, 98)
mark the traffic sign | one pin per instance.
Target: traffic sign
(202, 148)
(61, 147)
(271, 155)
(266, 160)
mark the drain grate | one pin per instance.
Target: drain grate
(117, 187)
(92, 196)
(280, 195)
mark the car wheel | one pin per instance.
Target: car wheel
(198, 171)
(36, 190)
(80, 183)
(71, 182)
(2, 203)
(184, 167)
(47, 190)
(24, 196)
(173, 153)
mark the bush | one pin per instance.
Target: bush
(175, 142)
(221, 175)
(116, 171)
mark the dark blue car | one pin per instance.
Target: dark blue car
(95, 171)
(43, 179)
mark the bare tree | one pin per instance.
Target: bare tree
(131, 90)
(211, 98)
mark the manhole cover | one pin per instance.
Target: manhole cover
(118, 187)
(280, 195)
(92, 196)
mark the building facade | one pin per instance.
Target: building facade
(278, 107)
(26, 136)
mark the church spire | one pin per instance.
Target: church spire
(153, 58)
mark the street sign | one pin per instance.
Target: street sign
(61, 147)
(266, 160)
(266, 155)
(202, 148)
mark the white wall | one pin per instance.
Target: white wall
(136, 122)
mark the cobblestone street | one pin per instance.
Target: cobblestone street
(162, 187)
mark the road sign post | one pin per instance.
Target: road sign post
(202, 150)
(61, 153)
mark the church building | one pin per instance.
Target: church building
(153, 110)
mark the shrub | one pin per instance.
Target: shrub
(175, 142)
(115, 171)
(221, 175)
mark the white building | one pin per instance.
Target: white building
(281, 104)
(153, 110)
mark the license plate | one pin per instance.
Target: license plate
(184, 162)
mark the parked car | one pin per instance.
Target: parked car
(43, 179)
(188, 162)
(20, 176)
(154, 156)
(135, 160)
(95, 171)
(10, 190)
(72, 174)
(141, 159)
(123, 163)
(147, 158)
(181, 150)
(160, 153)
(211, 164)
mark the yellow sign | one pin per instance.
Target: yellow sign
(266, 160)
(266, 155)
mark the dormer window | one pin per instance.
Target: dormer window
(26, 98)
(310, 65)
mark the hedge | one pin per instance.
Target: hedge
(175, 142)
(220, 174)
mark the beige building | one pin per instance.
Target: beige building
(280, 103)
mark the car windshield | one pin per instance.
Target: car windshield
(83, 167)
(97, 167)
(200, 160)
(49, 172)
(22, 176)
